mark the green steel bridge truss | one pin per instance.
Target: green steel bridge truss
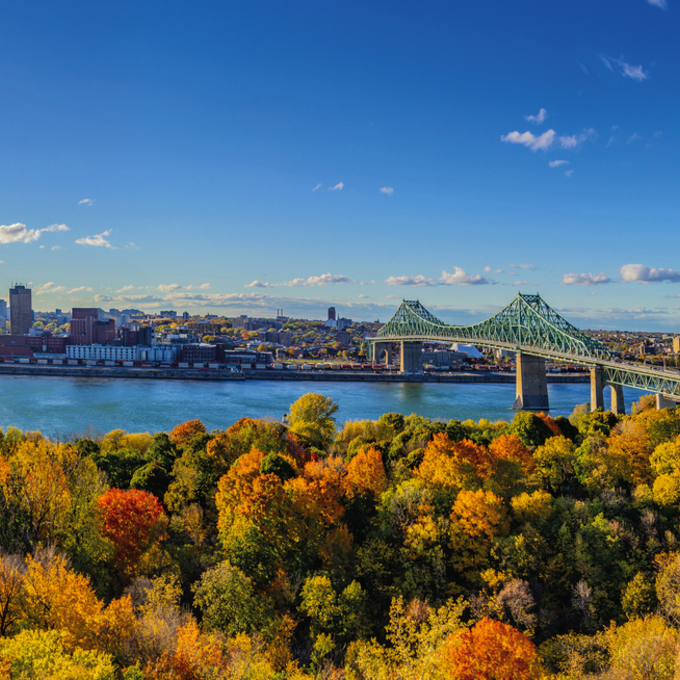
(528, 326)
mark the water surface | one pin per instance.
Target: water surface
(64, 406)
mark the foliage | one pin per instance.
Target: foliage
(37, 655)
(183, 433)
(291, 543)
(312, 418)
(132, 520)
(490, 650)
(228, 601)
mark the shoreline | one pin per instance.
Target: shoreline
(274, 374)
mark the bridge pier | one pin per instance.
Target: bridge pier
(532, 384)
(618, 405)
(663, 401)
(596, 386)
(411, 357)
(378, 348)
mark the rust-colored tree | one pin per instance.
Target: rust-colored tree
(511, 448)
(490, 650)
(366, 474)
(132, 520)
(183, 433)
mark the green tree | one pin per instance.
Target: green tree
(312, 418)
(228, 601)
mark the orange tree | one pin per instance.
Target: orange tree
(490, 650)
(132, 520)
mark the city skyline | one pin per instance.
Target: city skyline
(241, 159)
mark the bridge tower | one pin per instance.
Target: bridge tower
(531, 384)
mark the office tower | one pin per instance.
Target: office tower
(21, 314)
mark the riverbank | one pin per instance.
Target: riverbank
(221, 375)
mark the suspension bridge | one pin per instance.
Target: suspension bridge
(536, 333)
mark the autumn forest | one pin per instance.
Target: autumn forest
(371, 550)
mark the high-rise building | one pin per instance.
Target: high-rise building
(3, 310)
(20, 311)
(331, 313)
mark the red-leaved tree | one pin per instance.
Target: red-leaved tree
(132, 520)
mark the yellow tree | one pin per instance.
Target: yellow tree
(630, 440)
(56, 598)
(477, 517)
(34, 480)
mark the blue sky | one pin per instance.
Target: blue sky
(239, 158)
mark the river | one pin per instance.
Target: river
(67, 407)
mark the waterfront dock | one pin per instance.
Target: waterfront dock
(273, 374)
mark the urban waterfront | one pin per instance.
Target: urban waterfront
(62, 407)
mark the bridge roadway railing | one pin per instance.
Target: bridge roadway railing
(659, 381)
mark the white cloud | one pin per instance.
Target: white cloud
(568, 173)
(97, 240)
(326, 279)
(585, 279)
(323, 280)
(131, 245)
(124, 289)
(662, 4)
(658, 134)
(571, 141)
(643, 274)
(362, 296)
(520, 283)
(542, 115)
(626, 70)
(460, 278)
(522, 266)
(416, 281)
(86, 201)
(633, 137)
(205, 286)
(387, 190)
(556, 164)
(634, 72)
(81, 289)
(318, 186)
(338, 187)
(17, 232)
(170, 288)
(57, 248)
(49, 287)
(530, 140)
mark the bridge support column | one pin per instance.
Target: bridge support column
(378, 349)
(411, 357)
(618, 406)
(596, 386)
(532, 384)
(664, 402)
